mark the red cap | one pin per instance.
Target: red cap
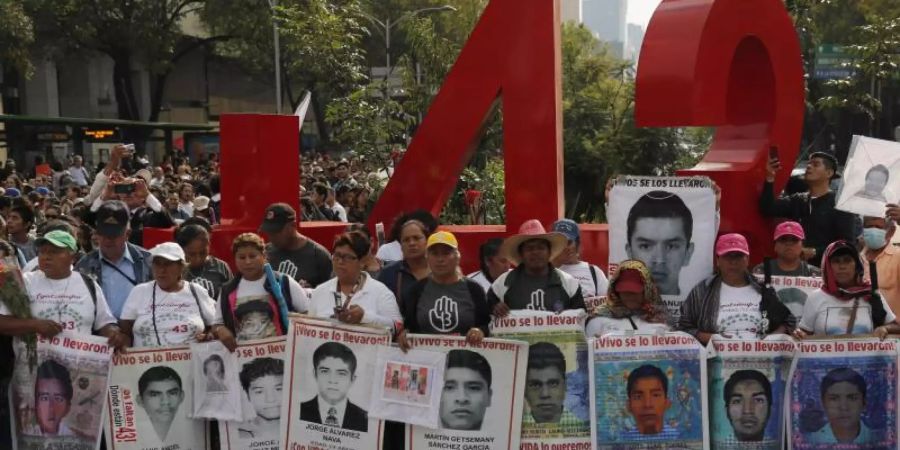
(732, 242)
(630, 280)
(789, 229)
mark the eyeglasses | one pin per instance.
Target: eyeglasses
(343, 257)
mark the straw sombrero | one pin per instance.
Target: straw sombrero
(532, 229)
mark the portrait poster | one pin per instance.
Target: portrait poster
(747, 392)
(871, 178)
(216, 393)
(648, 392)
(408, 386)
(330, 373)
(669, 223)
(793, 291)
(843, 394)
(484, 389)
(261, 374)
(149, 401)
(557, 405)
(59, 402)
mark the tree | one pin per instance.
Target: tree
(16, 35)
(133, 34)
(320, 46)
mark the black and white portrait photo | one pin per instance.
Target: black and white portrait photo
(871, 178)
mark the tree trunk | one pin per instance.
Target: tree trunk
(319, 111)
(126, 100)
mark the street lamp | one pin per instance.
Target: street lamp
(387, 24)
(272, 5)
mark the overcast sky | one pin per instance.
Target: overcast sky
(640, 11)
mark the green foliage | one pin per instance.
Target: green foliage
(16, 35)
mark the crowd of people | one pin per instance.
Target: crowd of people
(84, 248)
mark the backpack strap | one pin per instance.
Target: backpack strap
(594, 276)
(196, 300)
(91, 287)
(286, 292)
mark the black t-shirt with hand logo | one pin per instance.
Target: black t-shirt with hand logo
(433, 308)
(310, 263)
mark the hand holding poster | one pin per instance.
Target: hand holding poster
(59, 404)
(330, 367)
(262, 379)
(408, 386)
(149, 402)
(215, 382)
(843, 394)
(648, 392)
(481, 403)
(871, 178)
(557, 407)
(747, 385)
(669, 223)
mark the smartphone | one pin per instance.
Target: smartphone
(128, 188)
(129, 147)
(773, 152)
(338, 303)
(379, 233)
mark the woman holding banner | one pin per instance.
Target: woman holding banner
(632, 303)
(446, 302)
(353, 296)
(167, 311)
(731, 302)
(845, 304)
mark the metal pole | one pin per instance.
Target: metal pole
(387, 47)
(273, 4)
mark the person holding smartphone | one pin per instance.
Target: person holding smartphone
(111, 184)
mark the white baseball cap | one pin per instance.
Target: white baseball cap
(168, 250)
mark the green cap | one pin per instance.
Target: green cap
(58, 238)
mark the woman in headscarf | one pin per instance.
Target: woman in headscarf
(632, 303)
(845, 304)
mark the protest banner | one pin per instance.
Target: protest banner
(58, 403)
(261, 366)
(330, 366)
(747, 385)
(648, 392)
(557, 407)
(843, 395)
(592, 303)
(408, 386)
(793, 291)
(149, 402)
(670, 223)
(871, 178)
(216, 393)
(481, 403)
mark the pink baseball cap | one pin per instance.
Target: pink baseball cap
(732, 242)
(789, 229)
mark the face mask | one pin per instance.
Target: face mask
(875, 238)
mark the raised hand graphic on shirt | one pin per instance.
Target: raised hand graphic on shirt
(537, 301)
(444, 316)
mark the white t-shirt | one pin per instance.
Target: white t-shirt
(481, 279)
(67, 302)
(377, 301)
(582, 273)
(255, 291)
(600, 326)
(178, 316)
(826, 315)
(739, 313)
(390, 252)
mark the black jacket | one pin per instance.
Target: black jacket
(355, 418)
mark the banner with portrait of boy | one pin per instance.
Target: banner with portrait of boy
(871, 178)
(669, 223)
(261, 373)
(58, 402)
(330, 369)
(793, 291)
(149, 401)
(747, 391)
(648, 392)
(843, 394)
(557, 407)
(481, 403)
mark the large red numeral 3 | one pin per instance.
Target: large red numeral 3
(735, 65)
